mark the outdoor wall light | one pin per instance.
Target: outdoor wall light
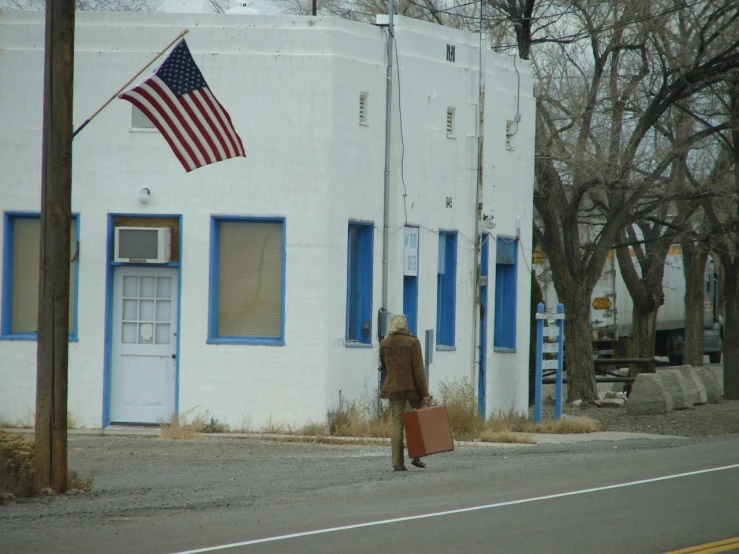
(489, 222)
(144, 196)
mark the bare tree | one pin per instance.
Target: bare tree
(666, 211)
(600, 106)
(695, 250)
(724, 220)
(219, 6)
(92, 5)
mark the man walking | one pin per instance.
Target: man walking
(405, 383)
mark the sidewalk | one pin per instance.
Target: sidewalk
(539, 438)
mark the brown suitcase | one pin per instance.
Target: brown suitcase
(427, 431)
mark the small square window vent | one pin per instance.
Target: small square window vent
(450, 122)
(139, 120)
(363, 108)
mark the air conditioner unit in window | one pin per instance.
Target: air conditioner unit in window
(142, 245)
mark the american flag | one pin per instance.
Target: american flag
(177, 100)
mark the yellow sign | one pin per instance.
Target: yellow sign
(601, 303)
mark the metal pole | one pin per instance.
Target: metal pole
(50, 463)
(386, 195)
(558, 380)
(478, 196)
(539, 356)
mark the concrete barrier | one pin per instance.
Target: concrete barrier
(676, 388)
(649, 395)
(696, 388)
(712, 384)
(676, 385)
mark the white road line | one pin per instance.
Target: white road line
(457, 511)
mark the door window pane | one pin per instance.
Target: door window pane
(130, 287)
(146, 310)
(164, 287)
(163, 310)
(147, 287)
(129, 333)
(129, 310)
(162, 335)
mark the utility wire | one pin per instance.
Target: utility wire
(402, 140)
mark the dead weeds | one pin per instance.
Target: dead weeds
(17, 457)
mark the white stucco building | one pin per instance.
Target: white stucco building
(268, 304)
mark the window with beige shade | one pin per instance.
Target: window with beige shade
(247, 281)
(21, 251)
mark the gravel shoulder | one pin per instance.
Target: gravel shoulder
(705, 420)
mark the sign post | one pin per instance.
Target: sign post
(538, 375)
(554, 335)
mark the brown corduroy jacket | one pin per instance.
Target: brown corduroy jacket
(401, 357)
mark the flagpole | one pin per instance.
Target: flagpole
(155, 58)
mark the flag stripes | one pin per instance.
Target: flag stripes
(187, 114)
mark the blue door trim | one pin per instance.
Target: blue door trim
(109, 272)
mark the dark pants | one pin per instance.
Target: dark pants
(398, 403)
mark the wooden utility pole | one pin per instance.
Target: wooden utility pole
(50, 469)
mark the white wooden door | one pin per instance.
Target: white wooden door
(144, 344)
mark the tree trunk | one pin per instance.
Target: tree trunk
(694, 263)
(645, 289)
(579, 347)
(645, 332)
(731, 332)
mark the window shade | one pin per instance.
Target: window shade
(26, 239)
(250, 279)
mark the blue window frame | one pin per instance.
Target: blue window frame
(411, 248)
(506, 269)
(410, 303)
(359, 284)
(21, 244)
(446, 290)
(247, 281)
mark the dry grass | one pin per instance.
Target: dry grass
(16, 464)
(464, 417)
(72, 421)
(489, 435)
(183, 426)
(214, 426)
(245, 426)
(312, 430)
(567, 426)
(16, 468)
(517, 423)
(272, 427)
(355, 419)
(190, 424)
(77, 483)
(21, 423)
(359, 420)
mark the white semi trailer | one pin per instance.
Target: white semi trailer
(612, 310)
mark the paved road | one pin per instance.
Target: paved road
(603, 499)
